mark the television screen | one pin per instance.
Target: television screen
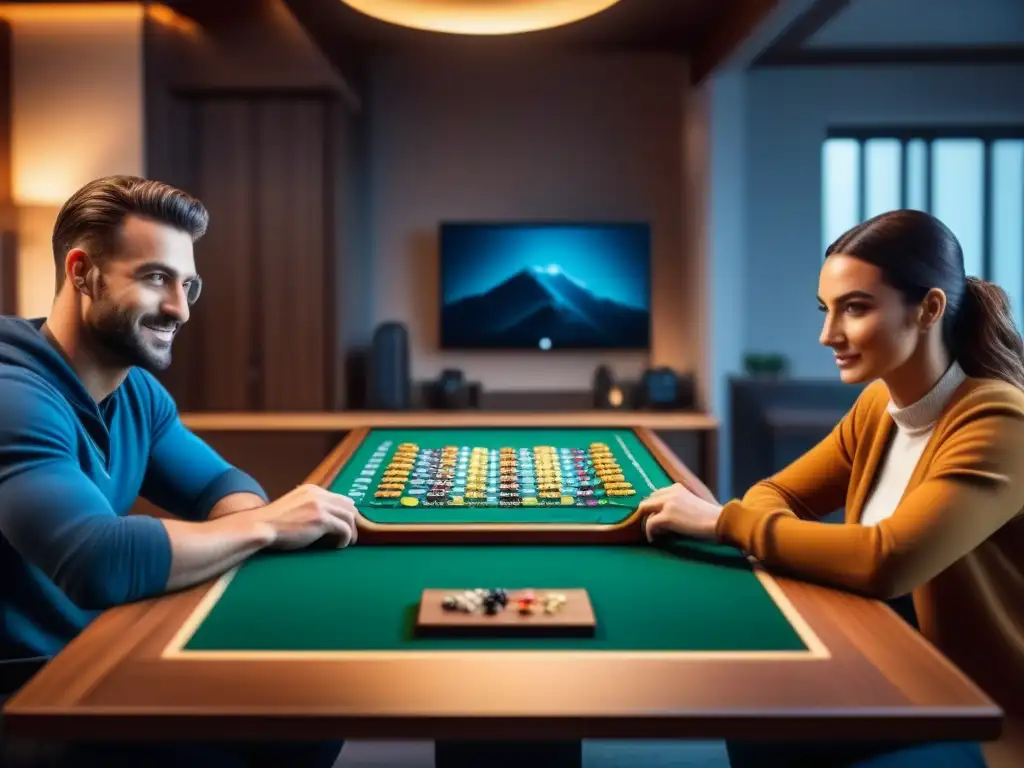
(545, 286)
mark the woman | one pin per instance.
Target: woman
(929, 464)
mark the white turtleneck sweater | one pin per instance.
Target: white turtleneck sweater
(914, 425)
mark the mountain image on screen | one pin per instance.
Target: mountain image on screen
(543, 303)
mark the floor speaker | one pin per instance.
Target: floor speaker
(388, 384)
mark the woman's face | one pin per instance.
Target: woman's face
(867, 324)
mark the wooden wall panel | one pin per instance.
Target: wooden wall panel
(297, 368)
(8, 273)
(225, 322)
(6, 91)
(8, 215)
(262, 336)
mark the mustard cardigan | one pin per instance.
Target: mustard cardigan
(956, 539)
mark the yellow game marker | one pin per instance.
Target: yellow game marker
(529, 501)
(409, 501)
(458, 501)
(620, 492)
(613, 478)
(567, 500)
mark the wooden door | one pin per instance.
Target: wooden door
(260, 338)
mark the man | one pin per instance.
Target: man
(85, 428)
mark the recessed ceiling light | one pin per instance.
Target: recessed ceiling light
(480, 17)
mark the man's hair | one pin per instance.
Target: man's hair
(92, 218)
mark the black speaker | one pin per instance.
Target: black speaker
(389, 387)
(663, 388)
(452, 392)
(607, 393)
(356, 378)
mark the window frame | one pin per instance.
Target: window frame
(987, 134)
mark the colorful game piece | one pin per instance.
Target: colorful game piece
(484, 612)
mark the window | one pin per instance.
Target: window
(973, 180)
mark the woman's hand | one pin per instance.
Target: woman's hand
(677, 510)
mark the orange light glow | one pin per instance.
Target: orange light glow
(170, 18)
(480, 17)
(71, 11)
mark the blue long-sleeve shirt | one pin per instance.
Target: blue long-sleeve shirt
(70, 472)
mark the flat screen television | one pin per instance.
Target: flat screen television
(547, 286)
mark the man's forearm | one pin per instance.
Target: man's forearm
(202, 551)
(236, 502)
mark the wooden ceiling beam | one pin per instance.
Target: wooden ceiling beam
(737, 24)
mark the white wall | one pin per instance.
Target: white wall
(788, 112)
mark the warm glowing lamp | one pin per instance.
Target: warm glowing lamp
(480, 17)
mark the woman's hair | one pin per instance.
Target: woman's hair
(916, 252)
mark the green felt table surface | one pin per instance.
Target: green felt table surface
(682, 596)
(639, 467)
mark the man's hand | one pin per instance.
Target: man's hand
(306, 515)
(200, 551)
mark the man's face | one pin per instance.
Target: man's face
(141, 296)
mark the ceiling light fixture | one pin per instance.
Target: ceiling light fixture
(480, 17)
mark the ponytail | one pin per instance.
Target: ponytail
(987, 341)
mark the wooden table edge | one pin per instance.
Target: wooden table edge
(53, 694)
(345, 420)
